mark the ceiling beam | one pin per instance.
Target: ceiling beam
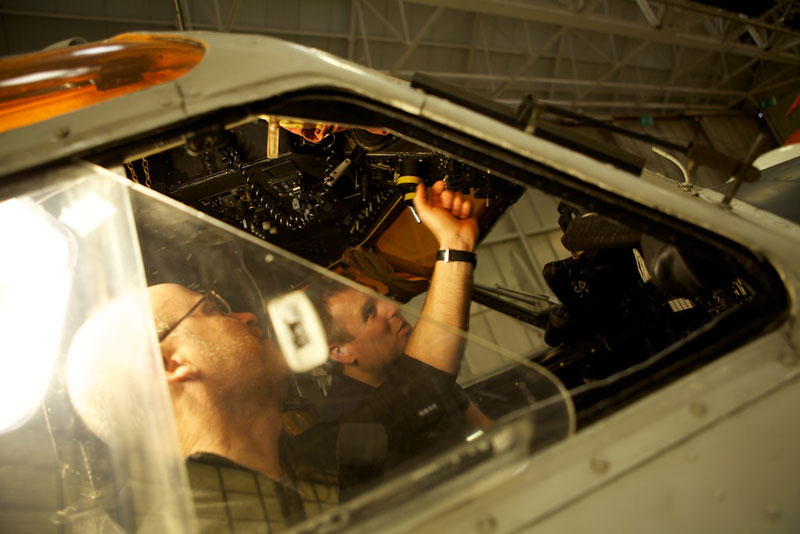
(624, 104)
(680, 69)
(730, 76)
(217, 14)
(782, 75)
(630, 56)
(417, 38)
(476, 22)
(558, 61)
(180, 16)
(401, 8)
(759, 36)
(697, 7)
(232, 12)
(94, 18)
(794, 80)
(545, 80)
(351, 35)
(786, 44)
(403, 39)
(506, 61)
(655, 16)
(265, 30)
(529, 61)
(606, 24)
(485, 47)
(575, 75)
(360, 13)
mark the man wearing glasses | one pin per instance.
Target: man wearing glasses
(226, 381)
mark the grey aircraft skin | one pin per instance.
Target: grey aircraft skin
(665, 398)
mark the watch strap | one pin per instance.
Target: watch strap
(448, 254)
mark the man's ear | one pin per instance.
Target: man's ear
(177, 366)
(341, 354)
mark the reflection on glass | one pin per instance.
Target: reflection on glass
(375, 411)
(258, 442)
(96, 452)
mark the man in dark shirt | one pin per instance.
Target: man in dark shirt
(400, 378)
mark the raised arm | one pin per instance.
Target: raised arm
(449, 217)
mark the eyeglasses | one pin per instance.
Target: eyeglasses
(219, 303)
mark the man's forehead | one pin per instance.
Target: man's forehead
(345, 301)
(170, 297)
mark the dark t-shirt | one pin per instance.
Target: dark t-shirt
(413, 397)
(418, 409)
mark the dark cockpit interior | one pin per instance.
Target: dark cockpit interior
(326, 176)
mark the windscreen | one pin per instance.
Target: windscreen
(189, 375)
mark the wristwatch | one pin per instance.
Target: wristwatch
(449, 254)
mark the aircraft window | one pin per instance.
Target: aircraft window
(623, 304)
(612, 289)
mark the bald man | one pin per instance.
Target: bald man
(226, 381)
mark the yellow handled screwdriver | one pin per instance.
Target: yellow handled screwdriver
(407, 182)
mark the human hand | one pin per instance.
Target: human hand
(449, 216)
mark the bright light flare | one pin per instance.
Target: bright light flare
(34, 285)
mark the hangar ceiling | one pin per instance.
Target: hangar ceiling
(603, 57)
